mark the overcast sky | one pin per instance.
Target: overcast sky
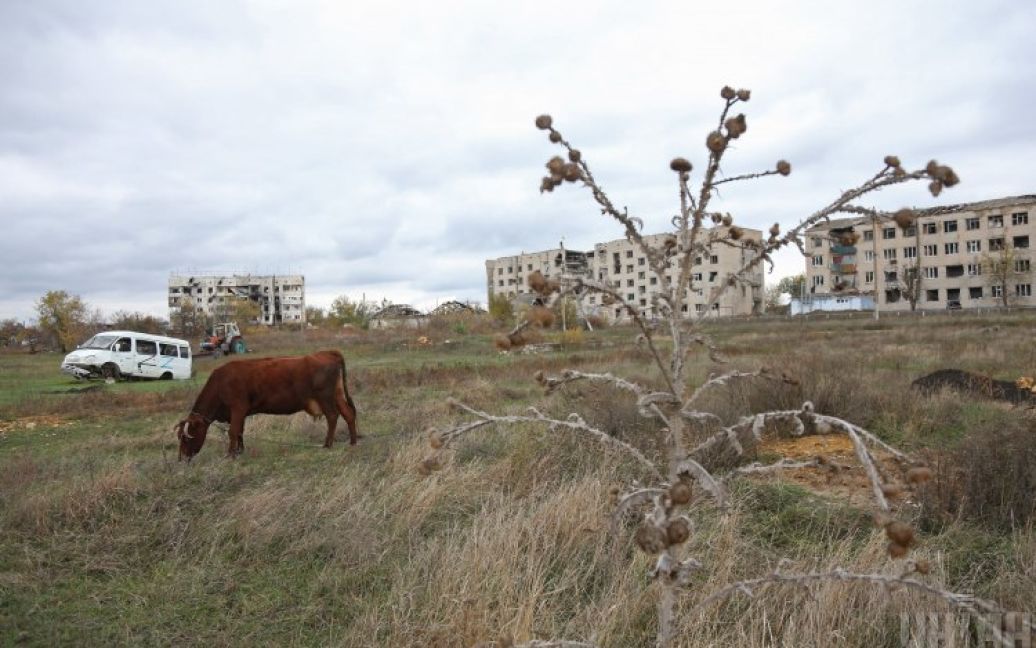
(388, 149)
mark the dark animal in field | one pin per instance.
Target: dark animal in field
(966, 382)
(314, 383)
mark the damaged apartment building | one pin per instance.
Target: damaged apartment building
(956, 256)
(622, 264)
(281, 298)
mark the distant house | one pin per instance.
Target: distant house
(398, 316)
(831, 303)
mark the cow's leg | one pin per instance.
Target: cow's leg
(331, 415)
(236, 444)
(348, 412)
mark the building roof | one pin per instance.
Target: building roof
(394, 311)
(981, 205)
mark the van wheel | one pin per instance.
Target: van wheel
(110, 371)
(167, 376)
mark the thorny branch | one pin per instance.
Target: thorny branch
(573, 423)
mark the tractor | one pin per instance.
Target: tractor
(224, 338)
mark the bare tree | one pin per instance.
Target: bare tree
(691, 474)
(998, 267)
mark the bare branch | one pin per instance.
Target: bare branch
(757, 468)
(574, 423)
(746, 176)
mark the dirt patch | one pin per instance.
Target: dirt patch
(840, 475)
(28, 423)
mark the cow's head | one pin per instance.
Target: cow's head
(191, 432)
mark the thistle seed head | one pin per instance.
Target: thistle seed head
(736, 126)
(935, 187)
(900, 533)
(575, 155)
(922, 567)
(435, 438)
(680, 165)
(897, 550)
(891, 160)
(554, 137)
(904, 217)
(555, 164)
(783, 167)
(571, 172)
(717, 218)
(919, 475)
(650, 538)
(775, 230)
(681, 492)
(677, 531)
(543, 122)
(716, 142)
(736, 233)
(728, 220)
(727, 93)
(891, 490)
(541, 316)
(744, 94)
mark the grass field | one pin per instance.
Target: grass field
(106, 539)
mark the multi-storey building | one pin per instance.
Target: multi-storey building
(947, 258)
(281, 298)
(625, 267)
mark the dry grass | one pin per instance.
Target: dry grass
(106, 539)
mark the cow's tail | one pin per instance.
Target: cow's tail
(345, 385)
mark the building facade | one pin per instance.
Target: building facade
(621, 264)
(281, 298)
(959, 256)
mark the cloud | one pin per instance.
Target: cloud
(388, 148)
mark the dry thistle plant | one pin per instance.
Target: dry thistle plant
(700, 475)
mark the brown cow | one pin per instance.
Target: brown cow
(315, 384)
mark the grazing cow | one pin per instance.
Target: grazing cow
(315, 384)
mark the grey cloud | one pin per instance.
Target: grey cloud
(391, 151)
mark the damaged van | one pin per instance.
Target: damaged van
(126, 354)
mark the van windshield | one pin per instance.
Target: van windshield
(99, 342)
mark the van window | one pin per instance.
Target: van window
(146, 347)
(185, 352)
(168, 350)
(124, 345)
